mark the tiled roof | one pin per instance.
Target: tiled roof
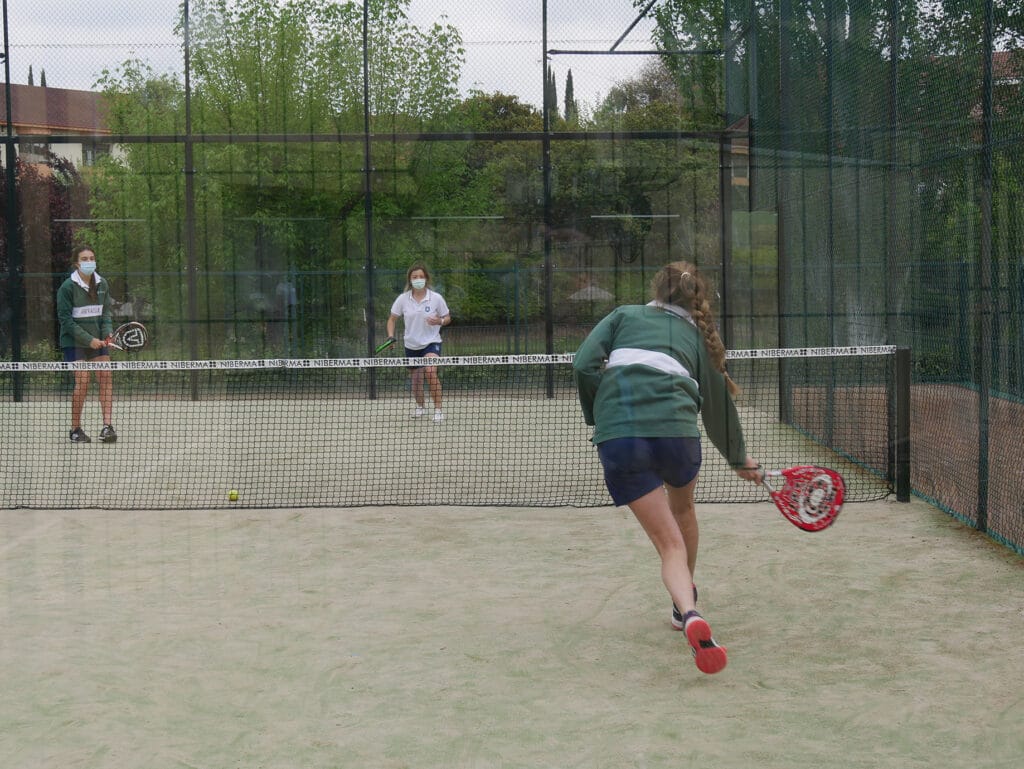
(39, 109)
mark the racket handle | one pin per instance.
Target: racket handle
(761, 472)
(766, 474)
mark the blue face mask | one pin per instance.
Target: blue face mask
(418, 283)
(87, 268)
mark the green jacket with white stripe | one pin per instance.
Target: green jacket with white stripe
(644, 372)
(83, 319)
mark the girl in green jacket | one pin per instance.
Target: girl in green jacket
(644, 374)
(83, 309)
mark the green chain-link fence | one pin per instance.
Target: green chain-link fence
(886, 140)
(256, 177)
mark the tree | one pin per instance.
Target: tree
(841, 110)
(476, 196)
(31, 80)
(572, 110)
(651, 100)
(42, 78)
(50, 195)
(551, 93)
(261, 67)
(265, 66)
(683, 25)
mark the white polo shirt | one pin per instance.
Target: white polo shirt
(414, 314)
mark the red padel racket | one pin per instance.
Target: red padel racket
(808, 496)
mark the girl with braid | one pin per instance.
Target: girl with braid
(643, 375)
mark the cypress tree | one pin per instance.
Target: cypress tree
(571, 111)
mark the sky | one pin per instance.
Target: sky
(73, 41)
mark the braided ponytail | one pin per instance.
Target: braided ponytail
(680, 283)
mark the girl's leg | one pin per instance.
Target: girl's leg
(106, 386)
(655, 516)
(680, 501)
(658, 520)
(417, 385)
(78, 398)
(434, 383)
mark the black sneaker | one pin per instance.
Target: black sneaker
(677, 616)
(78, 436)
(107, 434)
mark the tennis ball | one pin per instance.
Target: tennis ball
(233, 495)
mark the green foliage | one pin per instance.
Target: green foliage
(653, 101)
(571, 110)
(263, 67)
(42, 350)
(551, 93)
(936, 366)
(297, 66)
(693, 25)
(289, 74)
(477, 298)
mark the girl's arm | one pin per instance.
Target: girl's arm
(65, 304)
(588, 364)
(718, 412)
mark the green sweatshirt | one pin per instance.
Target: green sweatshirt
(644, 372)
(83, 319)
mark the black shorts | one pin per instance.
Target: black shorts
(634, 467)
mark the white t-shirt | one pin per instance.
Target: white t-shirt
(414, 314)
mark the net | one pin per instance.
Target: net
(343, 432)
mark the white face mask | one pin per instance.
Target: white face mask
(87, 268)
(419, 283)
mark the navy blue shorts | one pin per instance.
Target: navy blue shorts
(433, 347)
(71, 354)
(634, 467)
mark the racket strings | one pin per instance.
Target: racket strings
(814, 497)
(130, 336)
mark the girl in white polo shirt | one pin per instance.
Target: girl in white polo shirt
(424, 312)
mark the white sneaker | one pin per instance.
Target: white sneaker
(438, 415)
(417, 412)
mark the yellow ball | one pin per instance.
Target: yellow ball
(233, 495)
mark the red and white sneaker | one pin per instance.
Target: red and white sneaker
(709, 656)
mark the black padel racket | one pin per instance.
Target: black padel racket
(129, 337)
